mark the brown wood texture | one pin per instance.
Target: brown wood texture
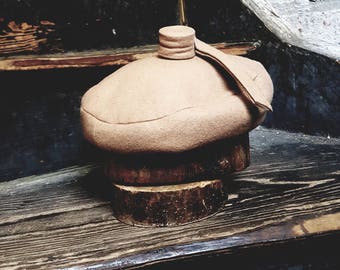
(20, 37)
(167, 205)
(211, 161)
(64, 219)
(108, 57)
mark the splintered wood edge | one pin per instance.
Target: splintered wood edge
(167, 188)
(100, 58)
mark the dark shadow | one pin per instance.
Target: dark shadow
(97, 184)
(41, 120)
(315, 253)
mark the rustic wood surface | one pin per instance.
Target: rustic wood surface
(64, 219)
(83, 25)
(167, 205)
(205, 163)
(20, 37)
(107, 57)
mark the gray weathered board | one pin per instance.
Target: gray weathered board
(64, 219)
(310, 24)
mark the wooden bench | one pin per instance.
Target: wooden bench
(289, 194)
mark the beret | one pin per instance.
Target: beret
(187, 96)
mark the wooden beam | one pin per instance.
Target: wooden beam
(109, 57)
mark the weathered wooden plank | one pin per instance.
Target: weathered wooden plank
(21, 202)
(312, 25)
(102, 57)
(109, 240)
(292, 189)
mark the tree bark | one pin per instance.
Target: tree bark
(212, 161)
(167, 205)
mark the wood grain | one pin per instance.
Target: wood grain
(24, 37)
(211, 161)
(108, 57)
(64, 219)
(167, 205)
(312, 25)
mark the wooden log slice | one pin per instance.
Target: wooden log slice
(211, 161)
(167, 205)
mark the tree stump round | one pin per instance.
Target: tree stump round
(172, 189)
(167, 205)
